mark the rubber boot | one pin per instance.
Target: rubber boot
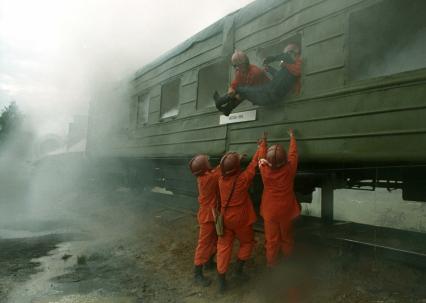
(239, 271)
(221, 101)
(199, 277)
(224, 103)
(232, 104)
(227, 109)
(223, 286)
(210, 264)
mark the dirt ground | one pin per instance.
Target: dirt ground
(118, 245)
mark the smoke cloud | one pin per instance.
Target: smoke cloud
(54, 52)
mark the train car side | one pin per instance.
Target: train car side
(357, 126)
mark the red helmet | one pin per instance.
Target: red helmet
(276, 155)
(239, 58)
(230, 163)
(199, 165)
(293, 48)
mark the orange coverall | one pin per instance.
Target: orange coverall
(208, 194)
(296, 70)
(279, 205)
(238, 216)
(254, 76)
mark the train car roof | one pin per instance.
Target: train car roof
(241, 17)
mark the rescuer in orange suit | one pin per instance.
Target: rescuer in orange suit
(238, 212)
(246, 74)
(208, 198)
(279, 206)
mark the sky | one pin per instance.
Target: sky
(53, 52)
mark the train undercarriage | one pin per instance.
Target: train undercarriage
(173, 175)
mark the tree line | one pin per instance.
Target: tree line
(10, 120)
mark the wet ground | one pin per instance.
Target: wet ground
(118, 245)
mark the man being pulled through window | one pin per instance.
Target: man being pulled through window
(246, 74)
(284, 80)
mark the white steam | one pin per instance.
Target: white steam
(52, 53)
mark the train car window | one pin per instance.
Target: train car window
(143, 109)
(169, 106)
(211, 78)
(276, 48)
(386, 39)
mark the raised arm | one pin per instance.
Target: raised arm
(293, 156)
(262, 146)
(250, 171)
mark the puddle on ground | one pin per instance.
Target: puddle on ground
(52, 265)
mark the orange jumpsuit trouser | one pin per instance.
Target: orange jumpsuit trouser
(207, 242)
(278, 235)
(245, 236)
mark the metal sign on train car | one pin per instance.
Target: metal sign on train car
(249, 115)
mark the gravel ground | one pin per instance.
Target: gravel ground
(117, 245)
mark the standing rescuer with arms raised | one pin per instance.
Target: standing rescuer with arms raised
(208, 197)
(238, 212)
(279, 206)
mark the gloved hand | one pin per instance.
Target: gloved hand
(286, 58)
(231, 92)
(263, 162)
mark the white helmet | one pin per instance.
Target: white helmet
(239, 58)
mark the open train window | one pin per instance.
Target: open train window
(277, 48)
(143, 109)
(211, 78)
(387, 38)
(169, 106)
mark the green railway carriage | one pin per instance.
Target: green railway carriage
(359, 119)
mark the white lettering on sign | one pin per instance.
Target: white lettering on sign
(238, 117)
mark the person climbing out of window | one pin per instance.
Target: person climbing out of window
(246, 74)
(284, 80)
